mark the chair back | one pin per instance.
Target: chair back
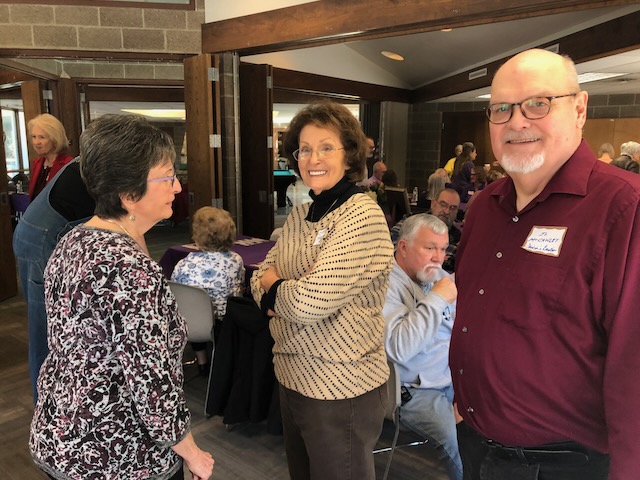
(194, 304)
(393, 392)
(398, 203)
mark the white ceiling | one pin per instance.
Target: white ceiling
(432, 56)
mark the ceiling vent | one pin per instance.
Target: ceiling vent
(478, 73)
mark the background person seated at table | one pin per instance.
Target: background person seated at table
(390, 178)
(50, 142)
(445, 207)
(435, 184)
(216, 268)
(378, 170)
(419, 310)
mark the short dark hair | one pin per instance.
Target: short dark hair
(337, 117)
(390, 178)
(116, 154)
(213, 229)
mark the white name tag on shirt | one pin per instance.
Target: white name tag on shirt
(321, 234)
(545, 240)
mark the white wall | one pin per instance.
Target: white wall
(215, 10)
(349, 64)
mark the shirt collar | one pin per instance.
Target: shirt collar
(572, 178)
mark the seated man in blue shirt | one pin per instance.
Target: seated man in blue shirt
(419, 311)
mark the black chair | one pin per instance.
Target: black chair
(397, 203)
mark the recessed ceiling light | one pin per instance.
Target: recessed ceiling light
(393, 56)
(486, 95)
(446, 29)
(595, 76)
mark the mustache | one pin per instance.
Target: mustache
(519, 136)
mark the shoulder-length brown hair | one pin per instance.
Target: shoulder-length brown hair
(336, 117)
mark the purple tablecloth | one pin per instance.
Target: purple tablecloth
(19, 202)
(252, 250)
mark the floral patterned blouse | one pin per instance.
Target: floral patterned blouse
(219, 273)
(110, 401)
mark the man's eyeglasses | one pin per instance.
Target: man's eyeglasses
(445, 206)
(323, 152)
(171, 180)
(532, 108)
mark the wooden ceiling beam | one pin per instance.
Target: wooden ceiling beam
(335, 21)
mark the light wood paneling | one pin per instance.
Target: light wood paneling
(615, 131)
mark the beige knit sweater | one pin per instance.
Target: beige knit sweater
(328, 328)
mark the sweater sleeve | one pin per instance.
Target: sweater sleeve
(354, 254)
(412, 317)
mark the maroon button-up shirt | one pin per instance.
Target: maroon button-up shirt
(546, 342)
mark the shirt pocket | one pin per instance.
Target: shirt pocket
(530, 294)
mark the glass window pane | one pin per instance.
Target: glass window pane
(23, 143)
(10, 140)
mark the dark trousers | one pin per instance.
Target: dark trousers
(332, 439)
(483, 460)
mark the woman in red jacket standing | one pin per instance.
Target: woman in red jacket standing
(50, 142)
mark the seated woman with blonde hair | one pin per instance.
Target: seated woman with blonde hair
(216, 268)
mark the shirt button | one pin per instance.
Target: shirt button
(515, 219)
(499, 255)
(464, 329)
(470, 409)
(481, 291)
(461, 371)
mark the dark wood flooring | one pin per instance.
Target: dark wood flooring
(247, 452)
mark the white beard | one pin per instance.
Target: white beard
(430, 273)
(522, 163)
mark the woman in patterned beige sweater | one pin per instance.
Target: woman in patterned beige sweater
(324, 284)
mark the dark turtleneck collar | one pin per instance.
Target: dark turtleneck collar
(331, 199)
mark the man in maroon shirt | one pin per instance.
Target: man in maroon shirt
(544, 352)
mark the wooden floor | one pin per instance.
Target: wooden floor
(247, 452)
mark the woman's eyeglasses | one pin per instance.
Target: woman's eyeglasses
(170, 180)
(323, 152)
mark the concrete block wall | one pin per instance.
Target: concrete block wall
(423, 143)
(425, 120)
(614, 106)
(108, 29)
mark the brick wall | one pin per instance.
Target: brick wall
(109, 29)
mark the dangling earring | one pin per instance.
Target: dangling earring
(132, 217)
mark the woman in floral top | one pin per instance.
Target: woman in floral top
(110, 403)
(216, 268)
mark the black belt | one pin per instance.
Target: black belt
(557, 454)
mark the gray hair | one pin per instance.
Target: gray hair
(414, 223)
(606, 148)
(630, 148)
(435, 185)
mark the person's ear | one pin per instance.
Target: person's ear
(582, 99)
